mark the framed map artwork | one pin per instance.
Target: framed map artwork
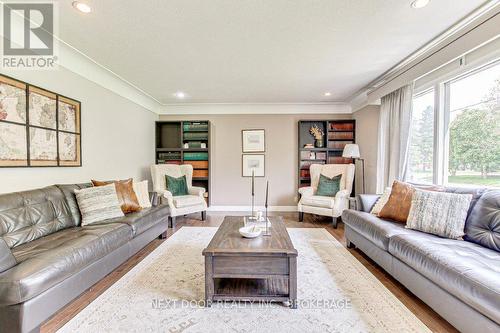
(37, 127)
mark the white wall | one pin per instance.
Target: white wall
(367, 138)
(117, 135)
(229, 188)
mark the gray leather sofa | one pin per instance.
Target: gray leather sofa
(47, 259)
(459, 279)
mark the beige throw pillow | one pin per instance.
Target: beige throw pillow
(98, 203)
(142, 192)
(381, 202)
(439, 213)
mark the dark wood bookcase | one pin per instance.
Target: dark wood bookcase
(171, 138)
(337, 133)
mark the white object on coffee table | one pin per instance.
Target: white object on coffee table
(250, 231)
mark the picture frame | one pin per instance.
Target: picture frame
(38, 127)
(253, 141)
(256, 162)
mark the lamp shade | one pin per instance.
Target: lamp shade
(351, 150)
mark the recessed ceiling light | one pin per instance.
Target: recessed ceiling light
(420, 3)
(328, 94)
(180, 95)
(82, 7)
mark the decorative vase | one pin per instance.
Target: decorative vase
(318, 143)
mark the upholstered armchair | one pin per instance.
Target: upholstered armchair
(323, 205)
(183, 204)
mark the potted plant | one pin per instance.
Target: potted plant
(317, 133)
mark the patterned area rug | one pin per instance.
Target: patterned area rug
(165, 291)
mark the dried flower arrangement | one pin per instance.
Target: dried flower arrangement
(316, 132)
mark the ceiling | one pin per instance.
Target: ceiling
(254, 51)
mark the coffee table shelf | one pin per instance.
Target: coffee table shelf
(259, 269)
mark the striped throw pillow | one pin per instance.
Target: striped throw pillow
(439, 213)
(98, 203)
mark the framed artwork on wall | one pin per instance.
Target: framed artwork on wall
(37, 127)
(253, 162)
(253, 141)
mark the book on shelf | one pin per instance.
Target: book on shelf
(169, 156)
(200, 173)
(194, 156)
(338, 144)
(168, 162)
(341, 126)
(339, 160)
(195, 126)
(198, 164)
(195, 136)
(340, 135)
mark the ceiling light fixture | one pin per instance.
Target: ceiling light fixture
(420, 3)
(82, 7)
(180, 95)
(327, 94)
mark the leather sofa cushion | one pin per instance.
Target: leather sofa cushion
(468, 271)
(182, 201)
(375, 229)
(29, 215)
(483, 225)
(318, 201)
(47, 261)
(69, 193)
(143, 220)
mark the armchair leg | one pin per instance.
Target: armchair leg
(301, 216)
(203, 215)
(163, 235)
(335, 221)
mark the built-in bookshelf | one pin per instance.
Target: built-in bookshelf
(186, 142)
(337, 133)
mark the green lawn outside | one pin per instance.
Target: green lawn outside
(493, 180)
(477, 180)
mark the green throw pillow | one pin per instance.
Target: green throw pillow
(177, 186)
(328, 187)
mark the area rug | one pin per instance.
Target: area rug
(165, 292)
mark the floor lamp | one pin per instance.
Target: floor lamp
(351, 150)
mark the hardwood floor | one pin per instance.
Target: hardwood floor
(214, 219)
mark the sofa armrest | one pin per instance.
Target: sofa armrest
(367, 201)
(306, 191)
(7, 259)
(196, 190)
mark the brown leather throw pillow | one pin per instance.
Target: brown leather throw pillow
(398, 206)
(126, 195)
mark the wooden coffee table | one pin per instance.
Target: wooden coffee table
(258, 269)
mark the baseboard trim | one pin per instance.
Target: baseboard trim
(249, 208)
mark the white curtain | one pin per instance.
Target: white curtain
(394, 136)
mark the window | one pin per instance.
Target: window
(456, 142)
(420, 166)
(474, 129)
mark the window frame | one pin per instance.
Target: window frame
(442, 111)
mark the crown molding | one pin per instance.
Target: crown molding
(472, 21)
(254, 108)
(79, 63)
